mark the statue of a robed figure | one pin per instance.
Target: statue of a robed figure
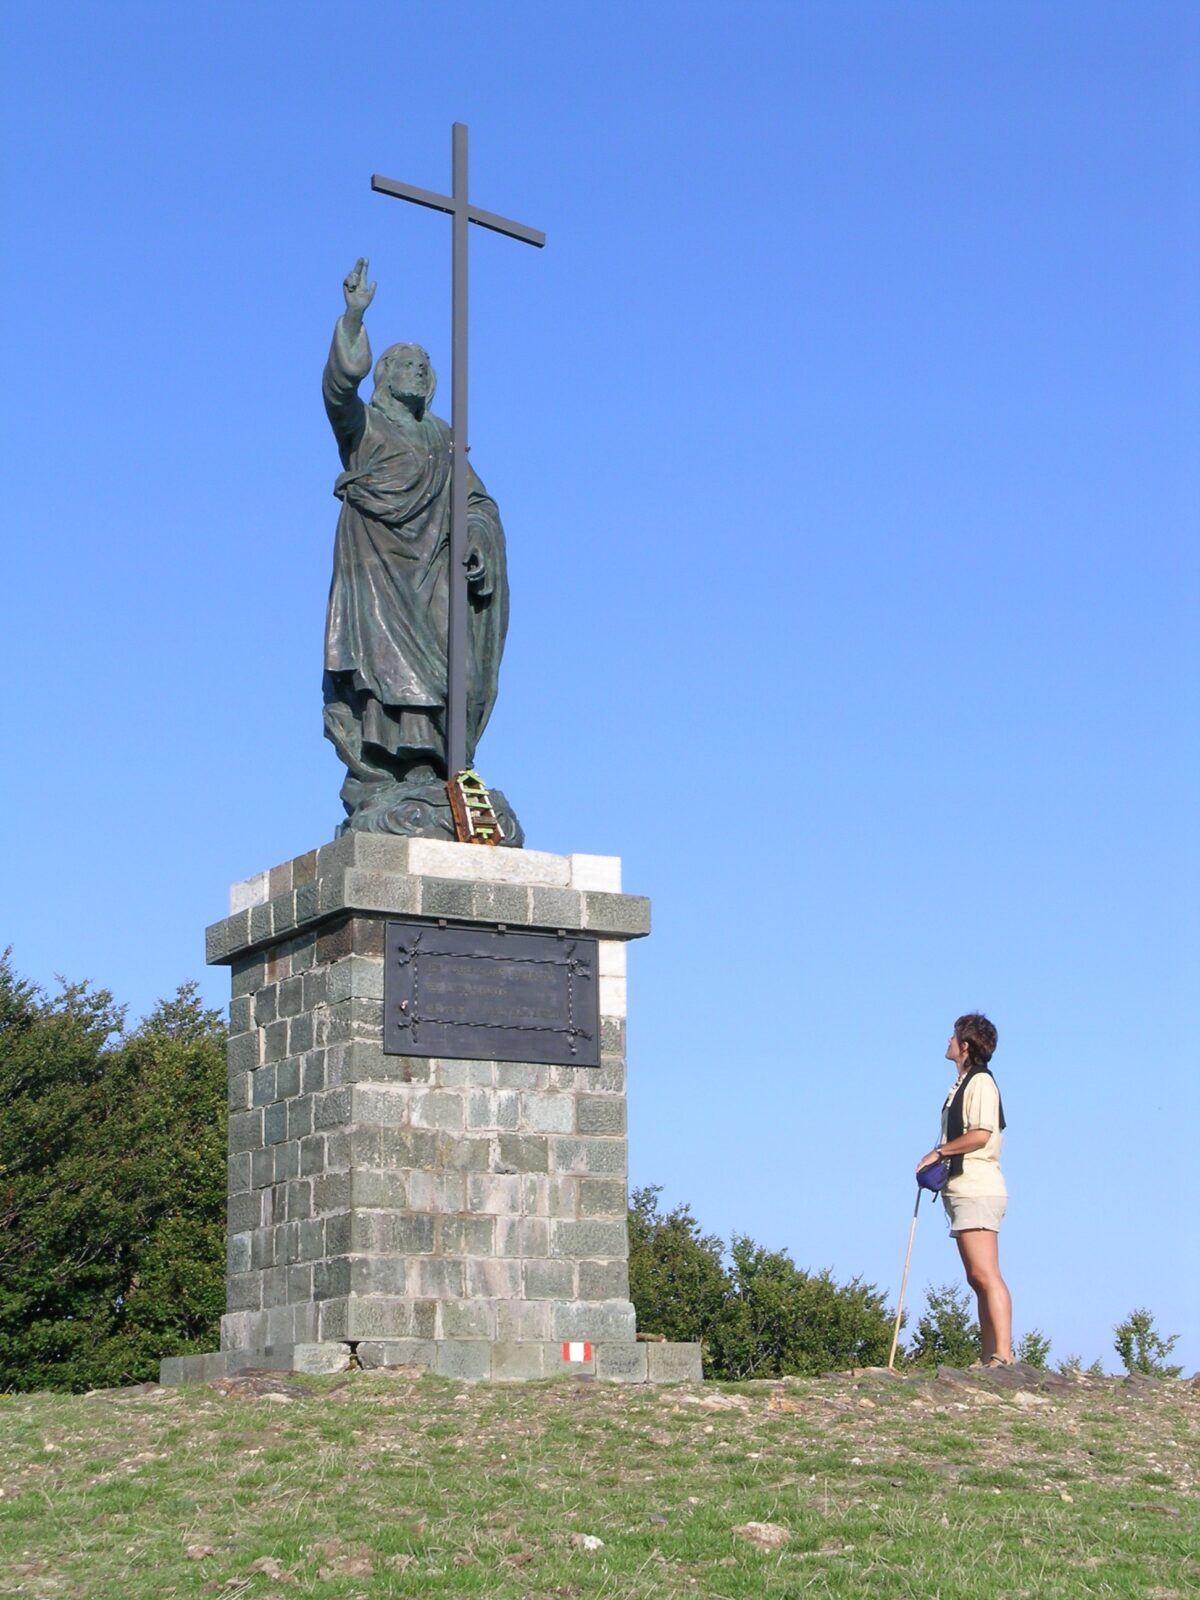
(386, 637)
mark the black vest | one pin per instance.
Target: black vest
(954, 1115)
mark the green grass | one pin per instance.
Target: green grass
(380, 1485)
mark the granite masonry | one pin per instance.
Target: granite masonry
(464, 1216)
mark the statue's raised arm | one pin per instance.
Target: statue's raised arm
(349, 360)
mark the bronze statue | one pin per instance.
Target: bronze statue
(386, 632)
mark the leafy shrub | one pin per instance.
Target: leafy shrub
(112, 1185)
(1071, 1364)
(677, 1280)
(1142, 1348)
(946, 1335)
(1033, 1349)
(779, 1320)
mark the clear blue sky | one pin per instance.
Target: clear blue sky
(845, 437)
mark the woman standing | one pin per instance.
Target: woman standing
(975, 1196)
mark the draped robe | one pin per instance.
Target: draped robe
(387, 623)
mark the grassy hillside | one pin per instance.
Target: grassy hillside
(394, 1484)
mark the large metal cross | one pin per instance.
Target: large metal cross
(463, 213)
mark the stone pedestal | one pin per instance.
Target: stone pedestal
(466, 1216)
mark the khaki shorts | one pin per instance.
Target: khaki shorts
(974, 1211)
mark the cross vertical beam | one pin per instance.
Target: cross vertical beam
(463, 213)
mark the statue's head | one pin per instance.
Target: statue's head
(404, 373)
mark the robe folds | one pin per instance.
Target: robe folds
(387, 622)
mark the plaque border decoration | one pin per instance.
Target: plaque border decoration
(475, 1034)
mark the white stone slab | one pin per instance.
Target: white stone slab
(596, 872)
(255, 891)
(442, 858)
(612, 960)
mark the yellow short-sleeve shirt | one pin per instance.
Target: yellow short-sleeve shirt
(981, 1173)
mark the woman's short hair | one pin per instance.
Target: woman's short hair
(978, 1036)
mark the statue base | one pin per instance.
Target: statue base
(465, 1216)
(421, 810)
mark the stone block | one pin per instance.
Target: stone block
(300, 1034)
(595, 872)
(274, 1123)
(468, 1359)
(290, 998)
(244, 1292)
(300, 1283)
(318, 1358)
(674, 1363)
(237, 1253)
(518, 1320)
(440, 897)
(520, 1237)
(589, 1157)
(611, 959)
(493, 1279)
(262, 1085)
(467, 1319)
(556, 908)
(274, 1041)
(249, 892)
(463, 1154)
(549, 1195)
(243, 1211)
(600, 1113)
(262, 1167)
(549, 1280)
(331, 1191)
(312, 1072)
(612, 997)
(239, 1172)
(331, 1110)
(546, 1112)
(558, 1367)
(622, 1363)
(596, 1321)
(438, 858)
(261, 923)
(299, 1117)
(244, 1051)
(437, 1192)
(379, 1275)
(450, 1074)
(523, 1152)
(501, 902)
(287, 1078)
(520, 1075)
(438, 1108)
(466, 1236)
(603, 1280)
(387, 1104)
(603, 1197)
(354, 978)
(378, 1317)
(245, 1131)
(407, 1147)
(437, 1278)
(498, 1194)
(372, 1188)
(373, 1353)
(299, 1200)
(512, 1363)
(589, 1239)
(332, 1277)
(625, 914)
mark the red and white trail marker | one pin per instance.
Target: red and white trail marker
(576, 1350)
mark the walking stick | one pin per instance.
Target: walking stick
(912, 1233)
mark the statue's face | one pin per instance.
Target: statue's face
(408, 374)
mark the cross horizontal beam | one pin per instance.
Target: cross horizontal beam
(445, 202)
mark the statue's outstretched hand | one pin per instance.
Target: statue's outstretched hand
(358, 292)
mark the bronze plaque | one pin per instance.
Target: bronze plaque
(488, 995)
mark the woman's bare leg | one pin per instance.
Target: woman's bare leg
(980, 1252)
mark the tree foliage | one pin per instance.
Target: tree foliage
(759, 1315)
(1142, 1349)
(947, 1335)
(112, 1185)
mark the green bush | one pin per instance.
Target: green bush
(758, 1317)
(1142, 1348)
(112, 1185)
(779, 1320)
(677, 1280)
(946, 1334)
(1033, 1349)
